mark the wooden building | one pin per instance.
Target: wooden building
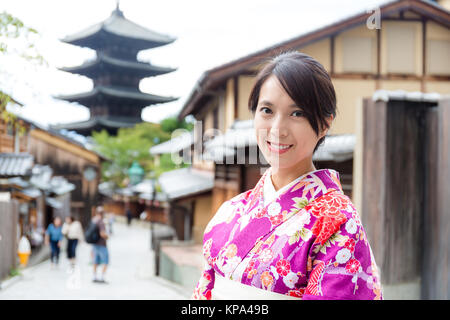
(14, 134)
(72, 160)
(189, 202)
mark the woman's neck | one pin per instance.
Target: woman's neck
(283, 176)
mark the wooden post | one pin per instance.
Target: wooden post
(436, 246)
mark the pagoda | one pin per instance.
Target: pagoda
(115, 101)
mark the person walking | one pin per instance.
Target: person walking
(73, 231)
(101, 255)
(53, 236)
(128, 214)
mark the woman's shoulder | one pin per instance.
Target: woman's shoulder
(334, 207)
(332, 212)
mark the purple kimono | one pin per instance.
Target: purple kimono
(307, 243)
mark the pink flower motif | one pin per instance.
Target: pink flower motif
(207, 276)
(275, 220)
(207, 246)
(251, 273)
(350, 245)
(296, 293)
(258, 212)
(353, 266)
(283, 267)
(250, 266)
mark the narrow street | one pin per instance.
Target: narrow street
(130, 274)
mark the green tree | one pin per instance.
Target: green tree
(130, 144)
(170, 124)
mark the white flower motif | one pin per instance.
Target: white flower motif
(290, 280)
(343, 256)
(266, 255)
(288, 229)
(245, 219)
(351, 226)
(305, 217)
(230, 265)
(294, 225)
(274, 209)
(273, 270)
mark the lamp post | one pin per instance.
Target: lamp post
(136, 173)
(153, 196)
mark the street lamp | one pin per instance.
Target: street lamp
(136, 173)
(152, 206)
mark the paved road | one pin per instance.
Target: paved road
(130, 274)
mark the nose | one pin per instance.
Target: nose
(278, 129)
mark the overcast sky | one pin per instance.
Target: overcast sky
(209, 33)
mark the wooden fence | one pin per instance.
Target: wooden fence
(9, 212)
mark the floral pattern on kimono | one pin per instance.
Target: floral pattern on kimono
(308, 243)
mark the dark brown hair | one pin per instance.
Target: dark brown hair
(307, 83)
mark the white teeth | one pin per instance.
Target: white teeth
(277, 146)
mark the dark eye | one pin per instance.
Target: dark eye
(298, 113)
(266, 110)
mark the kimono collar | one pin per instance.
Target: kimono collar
(308, 187)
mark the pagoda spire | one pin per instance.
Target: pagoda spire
(118, 11)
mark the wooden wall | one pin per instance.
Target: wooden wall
(9, 217)
(69, 160)
(8, 139)
(405, 192)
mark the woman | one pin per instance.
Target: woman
(73, 230)
(295, 235)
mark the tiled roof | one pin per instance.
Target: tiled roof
(386, 95)
(15, 164)
(184, 182)
(118, 25)
(174, 145)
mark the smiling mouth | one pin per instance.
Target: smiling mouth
(279, 147)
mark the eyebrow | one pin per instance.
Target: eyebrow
(270, 104)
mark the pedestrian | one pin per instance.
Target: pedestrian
(73, 231)
(53, 236)
(110, 218)
(101, 255)
(128, 214)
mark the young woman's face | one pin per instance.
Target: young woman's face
(284, 135)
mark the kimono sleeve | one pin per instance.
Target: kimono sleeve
(205, 284)
(343, 266)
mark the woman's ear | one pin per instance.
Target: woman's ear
(325, 130)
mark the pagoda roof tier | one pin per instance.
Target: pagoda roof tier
(116, 95)
(92, 68)
(117, 30)
(110, 123)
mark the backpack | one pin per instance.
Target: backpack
(92, 234)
